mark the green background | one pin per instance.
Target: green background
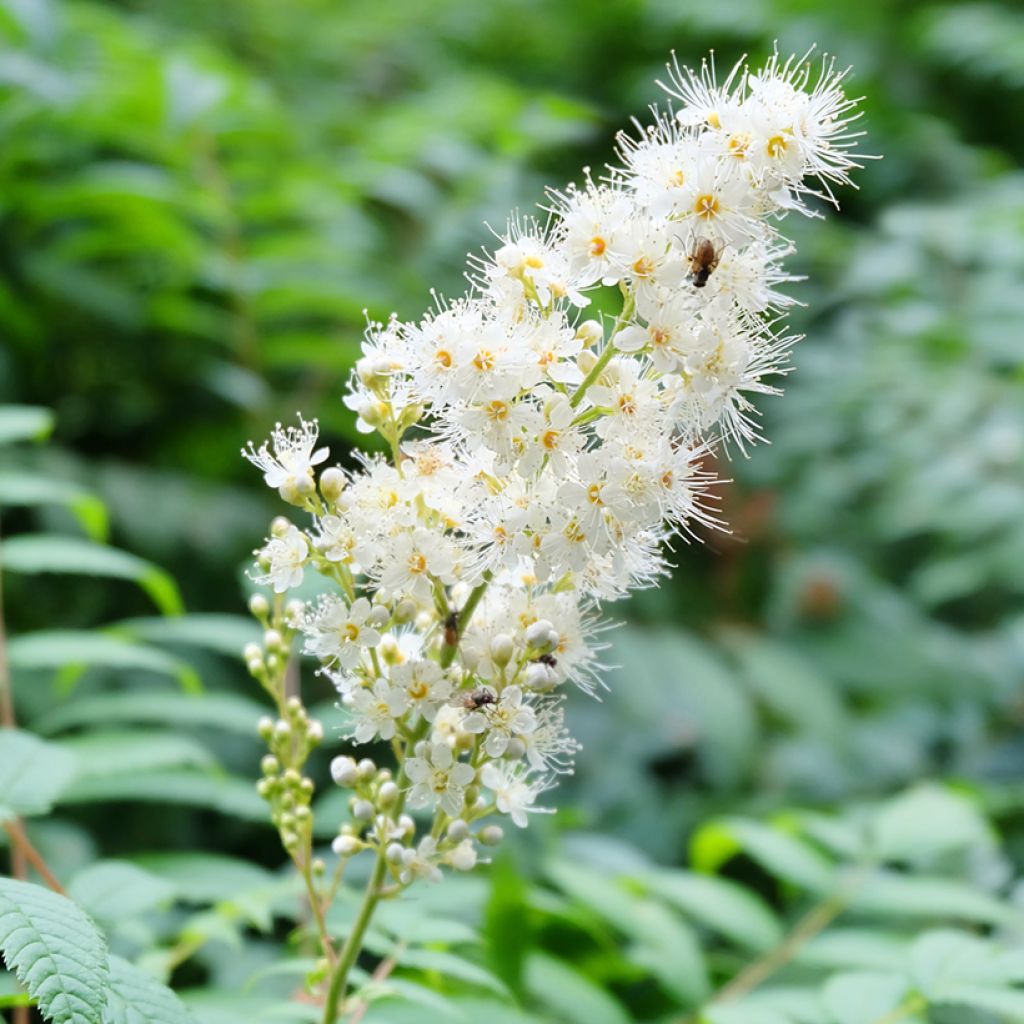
(198, 202)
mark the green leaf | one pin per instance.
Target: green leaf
(862, 997)
(57, 553)
(927, 822)
(452, 966)
(138, 998)
(855, 948)
(223, 711)
(112, 890)
(75, 649)
(33, 774)
(570, 995)
(229, 795)
(743, 1014)
(663, 943)
(205, 878)
(1007, 1003)
(890, 895)
(56, 951)
(781, 854)
(720, 905)
(24, 423)
(222, 634)
(26, 489)
(109, 752)
(944, 959)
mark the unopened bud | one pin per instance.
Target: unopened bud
(265, 727)
(458, 830)
(253, 652)
(405, 611)
(270, 765)
(586, 360)
(491, 835)
(367, 769)
(346, 846)
(379, 617)
(280, 526)
(332, 483)
(362, 810)
(394, 853)
(344, 771)
(315, 732)
(387, 794)
(590, 332)
(502, 649)
(259, 606)
(542, 636)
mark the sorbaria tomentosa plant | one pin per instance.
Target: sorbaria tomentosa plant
(541, 462)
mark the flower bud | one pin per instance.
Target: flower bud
(259, 606)
(255, 667)
(515, 750)
(370, 413)
(463, 857)
(394, 853)
(346, 846)
(279, 526)
(405, 611)
(542, 636)
(589, 332)
(491, 835)
(541, 677)
(362, 810)
(265, 727)
(502, 649)
(332, 483)
(458, 830)
(315, 732)
(387, 794)
(344, 771)
(367, 769)
(407, 825)
(293, 706)
(253, 652)
(586, 360)
(379, 617)
(272, 640)
(270, 765)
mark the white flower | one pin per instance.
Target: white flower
(463, 856)
(411, 561)
(438, 779)
(421, 862)
(284, 559)
(337, 633)
(375, 710)
(288, 458)
(506, 719)
(424, 684)
(514, 792)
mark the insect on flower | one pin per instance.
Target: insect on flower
(703, 261)
(476, 699)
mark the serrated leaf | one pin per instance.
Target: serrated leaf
(33, 774)
(115, 890)
(57, 553)
(568, 994)
(138, 998)
(24, 423)
(224, 711)
(720, 905)
(57, 953)
(27, 489)
(69, 648)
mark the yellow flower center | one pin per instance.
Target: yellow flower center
(484, 360)
(777, 145)
(549, 439)
(533, 262)
(597, 246)
(417, 563)
(497, 411)
(594, 494)
(739, 144)
(418, 689)
(706, 206)
(443, 358)
(676, 179)
(351, 632)
(627, 405)
(713, 119)
(643, 267)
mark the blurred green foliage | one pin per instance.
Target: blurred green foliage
(198, 201)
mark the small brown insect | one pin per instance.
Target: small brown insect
(548, 659)
(475, 699)
(451, 629)
(703, 261)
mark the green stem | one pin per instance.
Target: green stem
(465, 614)
(354, 942)
(610, 350)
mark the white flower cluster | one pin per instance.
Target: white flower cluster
(543, 455)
